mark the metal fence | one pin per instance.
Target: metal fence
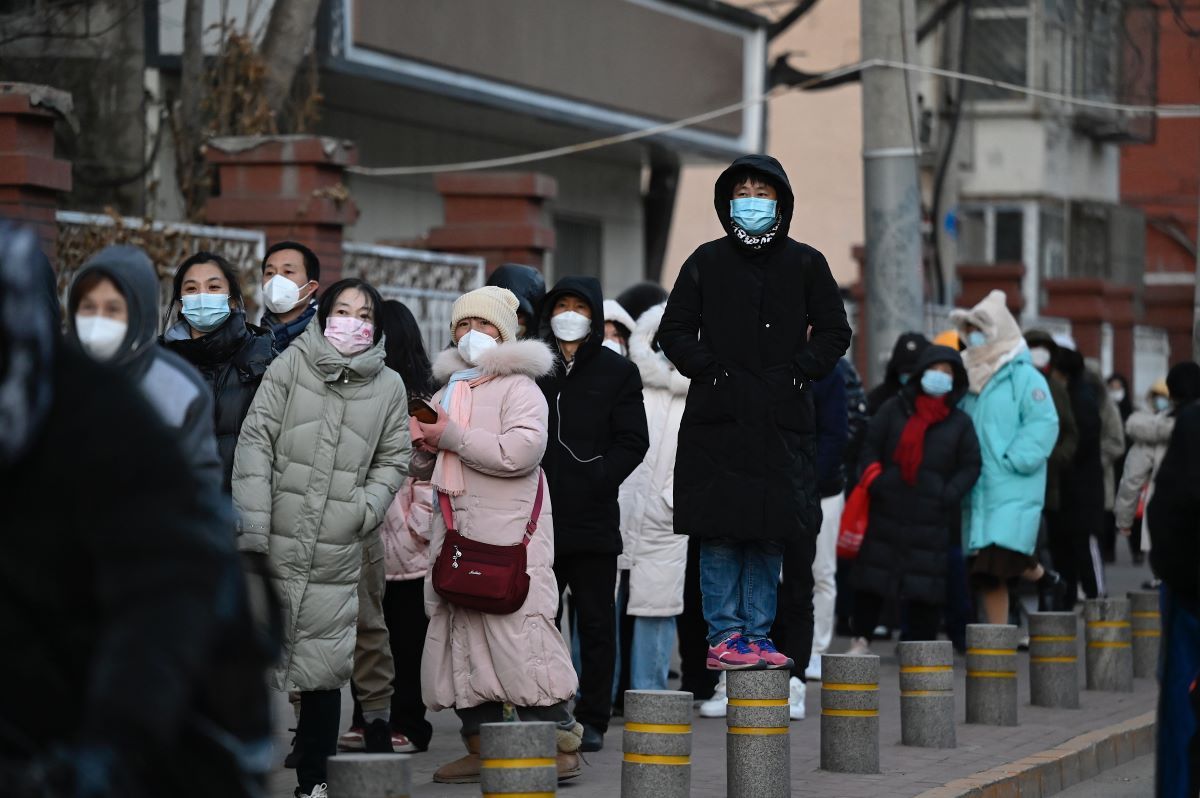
(427, 282)
(81, 235)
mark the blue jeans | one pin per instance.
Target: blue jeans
(650, 659)
(1179, 665)
(740, 585)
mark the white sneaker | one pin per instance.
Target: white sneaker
(715, 706)
(859, 647)
(797, 690)
(319, 791)
(813, 671)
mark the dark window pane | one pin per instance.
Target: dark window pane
(999, 50)
(1009, 236)
(579, 249)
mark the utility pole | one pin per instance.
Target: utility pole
(893, 278)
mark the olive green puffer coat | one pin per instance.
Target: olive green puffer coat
(322, 453)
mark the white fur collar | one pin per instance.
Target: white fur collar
(531, 358)
(656, 370)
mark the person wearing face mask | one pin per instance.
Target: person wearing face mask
(598, 436)
(291, 274)
(900, 367)
(322, 453)
(482, 456)
(112, 315)
(211, 333)
(529, 287)
(1009, 402)
(618, 327)
(929, 453)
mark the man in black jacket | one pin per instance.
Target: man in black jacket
(737, 323)
(597, 437)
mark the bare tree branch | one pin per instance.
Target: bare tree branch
(284, 44)
(801, 8)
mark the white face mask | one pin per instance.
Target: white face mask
(614, 346)
(570, 326)
(472, 345)
(101, 337)
(281, 294)
(1117, 395)
(1040, 356)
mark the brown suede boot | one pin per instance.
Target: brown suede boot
(464, 770)
(567, 759)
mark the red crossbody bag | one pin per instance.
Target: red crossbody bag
(483, 576)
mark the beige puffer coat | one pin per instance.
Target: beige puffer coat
(654, 555)
(472, 657)
(1150, 433)
(322, 453)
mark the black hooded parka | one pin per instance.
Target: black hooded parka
(598, 433)
(737, 323)
(904, 552)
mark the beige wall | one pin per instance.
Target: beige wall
(817, 136)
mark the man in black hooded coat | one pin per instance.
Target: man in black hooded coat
(738, 325)
(598, 436)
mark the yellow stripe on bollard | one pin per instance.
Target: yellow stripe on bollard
(993, 652)
(757, 729)
(1054, 659)
(1108, 644)
(1146, 614)
(659, 728)
(850, 713)
(758, 702)
(1108, 624)
(849, 687)
(992, 674)
(518, 763)
(922, 693)
(1051, 638)
(1147, 633)
(657, 759)
(926, 668)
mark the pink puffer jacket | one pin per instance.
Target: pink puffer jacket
(472, 657)
(405, 532)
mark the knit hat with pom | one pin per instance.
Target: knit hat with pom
(490, 303)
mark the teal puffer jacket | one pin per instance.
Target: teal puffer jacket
(1017, 427)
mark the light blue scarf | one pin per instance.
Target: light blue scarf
(458, 376)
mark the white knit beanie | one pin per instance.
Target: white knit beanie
(490, 303)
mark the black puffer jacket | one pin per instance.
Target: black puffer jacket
(232, 359)
(737, 324)
(1174, 510)
(904, 552)
(598, 431)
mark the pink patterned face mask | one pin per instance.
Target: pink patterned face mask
(349, 335)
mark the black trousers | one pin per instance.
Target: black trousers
(921, 618)
(692, 631)
(592, 579)
(792, 631)
(625, 623)
(1071, 552)
(316, 735)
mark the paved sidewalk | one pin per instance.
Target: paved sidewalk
(905, 772)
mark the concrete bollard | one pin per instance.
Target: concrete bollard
(927, 694)
(992, 674)
(850, 713)
(1109, 647)
(1054, 660)
(1147, 632)
(517, 759)
(369, 775)
(757, 739)
(657, 744)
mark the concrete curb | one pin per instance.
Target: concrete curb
(1050, 772)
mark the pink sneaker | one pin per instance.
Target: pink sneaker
(771, 656)
(733, 654)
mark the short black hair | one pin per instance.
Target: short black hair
(312, 265)
(227, 269)
(325, 306)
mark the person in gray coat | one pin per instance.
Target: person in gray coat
(112, 315)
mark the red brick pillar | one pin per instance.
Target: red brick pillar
(499, 216)
(290, 187)
(976, 281)
(1084, 303)
(1170, 308)
(31, 178)
(1119, 301)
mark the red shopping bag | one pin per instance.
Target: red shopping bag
(854, 517)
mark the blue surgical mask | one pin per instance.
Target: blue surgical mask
(1162, 404)
(206, 312)
(937, 383)
(976, 338)
(753, 214)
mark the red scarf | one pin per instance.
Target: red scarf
(911, 449)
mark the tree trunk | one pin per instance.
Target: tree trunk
(288, 32)
(190, 125)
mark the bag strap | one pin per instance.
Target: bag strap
(530, 528)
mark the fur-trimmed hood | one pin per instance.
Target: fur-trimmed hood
(531, 358)
(656, 370)
(1004, 339)
(615, 313)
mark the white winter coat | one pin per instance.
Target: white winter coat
(654, 555)
(1150, 433)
